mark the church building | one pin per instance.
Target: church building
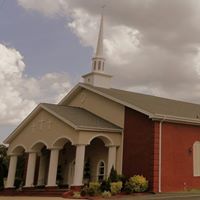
(97, 126)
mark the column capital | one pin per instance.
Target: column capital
(14, 154)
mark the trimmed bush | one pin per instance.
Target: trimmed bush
(113, 177)
(84, 191)
(136, 183)
(94, 188)
(106, 194)
(105, 185)
(116, 187)
(76, 195)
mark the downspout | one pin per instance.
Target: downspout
(160, 155)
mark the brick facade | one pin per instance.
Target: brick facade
(138, 152)
(177, 157)
(141, 152)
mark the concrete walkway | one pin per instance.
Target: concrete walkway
(29, 198)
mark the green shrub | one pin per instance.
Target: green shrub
(113, 177)
(105, 185)
(116, 187)
(123, 179)
(76, 195)
(94, 188)
(106, 194)
(136, 183)
(84, 191)
(128, 188)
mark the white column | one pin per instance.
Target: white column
(53, 165)
(30, 169)
(41, 174)
(79, 165)
(111, 158)
(11, 171)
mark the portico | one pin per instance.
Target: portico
(58, 154)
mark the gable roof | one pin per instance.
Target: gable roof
(157, 108)
(80, 118)
(77, 118)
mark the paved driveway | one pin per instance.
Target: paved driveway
(177, 196)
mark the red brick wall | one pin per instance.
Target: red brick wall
(138, 152)
(177, 160)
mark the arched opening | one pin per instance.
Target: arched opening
(42, 163)
(96, 158)
(22, 158)
(66, 163)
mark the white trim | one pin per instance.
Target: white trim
(175, 119)
(160, 157)
(117, 100)
(38, 142)
(122, 153)
(59, 117)
(42, 106)
(16, 146)
(61, 137)
(70, 94)
(97, 172)
(104, 136)
(196, 158)
(22, 124)
(155, 116)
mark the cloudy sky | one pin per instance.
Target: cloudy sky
(151, 46)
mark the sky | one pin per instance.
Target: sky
(150, 46)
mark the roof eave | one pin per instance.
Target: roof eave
(175, 119)
(22, 124)
(98, 129)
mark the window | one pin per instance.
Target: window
(196, 158)
(101, 170)
(94, 65)
(99, 65)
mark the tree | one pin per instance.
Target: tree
(3, 164)
(113, 175)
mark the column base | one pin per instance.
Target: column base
(9, 188)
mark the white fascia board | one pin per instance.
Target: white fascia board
(98, 129)
(70, 94)
(118, 101)
(59, 117)
(175, 119)
(22, 125)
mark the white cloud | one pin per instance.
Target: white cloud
(151, 46)
(19, 93)
(50, 8)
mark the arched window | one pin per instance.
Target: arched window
(196, 158)
(101, 170)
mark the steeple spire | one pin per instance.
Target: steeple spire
(97, 77)
(98, 60)
(99, 49)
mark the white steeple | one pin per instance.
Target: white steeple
(98, 59)
(97, 77)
